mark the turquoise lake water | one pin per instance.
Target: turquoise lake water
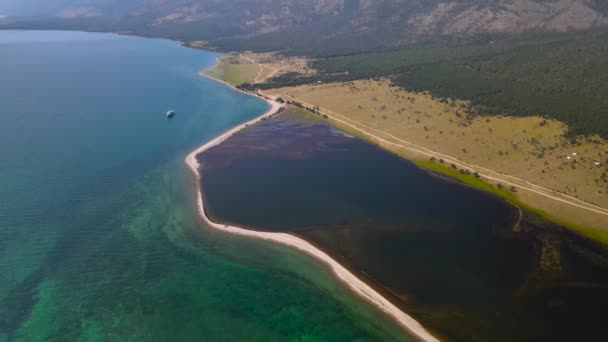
(99, 236)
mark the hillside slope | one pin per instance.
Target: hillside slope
(348, 22)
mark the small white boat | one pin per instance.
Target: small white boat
(170, 114)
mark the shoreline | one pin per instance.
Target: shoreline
(358, 286)
(593, 232)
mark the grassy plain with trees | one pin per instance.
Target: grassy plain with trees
(559, 75)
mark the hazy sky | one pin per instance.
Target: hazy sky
(33, 7)
(54, 7)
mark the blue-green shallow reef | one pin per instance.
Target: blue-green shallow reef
(99, 235)
(464, 263)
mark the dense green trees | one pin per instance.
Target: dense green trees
(563, 76)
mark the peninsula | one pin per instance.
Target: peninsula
(233, 160)
(349, 279)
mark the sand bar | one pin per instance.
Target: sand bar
(355, 284)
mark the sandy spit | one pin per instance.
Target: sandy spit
(355, 284)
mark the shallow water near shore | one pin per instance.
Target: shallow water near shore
(447, 254)
(99, 234)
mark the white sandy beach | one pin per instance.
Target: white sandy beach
(344, 275)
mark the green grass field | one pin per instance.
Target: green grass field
(234, 71)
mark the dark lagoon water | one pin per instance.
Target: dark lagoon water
(449, 255)
(99, 236)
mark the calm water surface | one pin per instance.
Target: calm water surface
(446, 253)
(99, 238)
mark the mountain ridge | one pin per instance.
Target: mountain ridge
(397, 21)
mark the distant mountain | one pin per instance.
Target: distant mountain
(389, 22)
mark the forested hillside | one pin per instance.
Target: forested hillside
(308, 26)
(564, 76)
